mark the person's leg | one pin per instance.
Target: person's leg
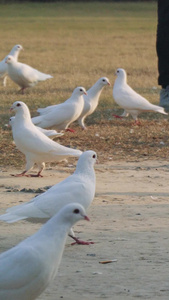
(164, 98)
(162, 46)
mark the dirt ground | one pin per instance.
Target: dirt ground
(129, 225)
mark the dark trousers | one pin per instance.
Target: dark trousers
(162, 42)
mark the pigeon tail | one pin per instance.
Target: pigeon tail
(160, 110)
(72, 152)
(9, 218)
(36, 120)
(43, 111)
(43, 76)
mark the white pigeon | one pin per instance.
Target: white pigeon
(63, 114)
(3, 66)
(24, 75)
(51, 133)
(36, 146)
(79, 187)
(29, 267)
(127, 98)
(91, 100)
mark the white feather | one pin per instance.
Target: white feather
(78, 187)
(63, 114)
(127, 98)
(91, 100)
(36, 146)
(50, 133)
(28, 268)
(24, 75)
(3, 66)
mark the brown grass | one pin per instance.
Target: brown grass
(77, 50)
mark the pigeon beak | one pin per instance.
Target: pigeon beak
(109, 83)
(86, 218)
(85, 93)
(11, 108)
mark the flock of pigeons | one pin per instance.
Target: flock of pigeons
(28, 268)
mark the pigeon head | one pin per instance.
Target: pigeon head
(9, 59)
(80, 91)
(104, 81)
(11, 121)
(86, 160)
(89, 156)
(121, 74)
(15, 51)
(20, 108)
(73, 212)
(17, 48)
(16, 105)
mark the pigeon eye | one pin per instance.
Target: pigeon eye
(104, 80)
(18, 104)
(76, 211)
(94, 156)
(81, 90)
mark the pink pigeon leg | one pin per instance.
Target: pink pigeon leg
(27, 175)
(19, 175)
(118, 117)
(79, 242)
(137, 122)
(41, 166)
(35, 175)
(22, 90)
(71, 130)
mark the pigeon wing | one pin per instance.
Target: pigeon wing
(37, 142)
(131, 100)
(3, 68)
(47, 109)
(60, 114)
(65, 193)
(47, 204)
(19, 267)
(26, 73)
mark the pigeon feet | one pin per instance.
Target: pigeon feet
(71, 130)
(137, 122)
(34, 175)
(22, 90)
(27, 175)
(19, 175)
(79, 242)
(117, 117)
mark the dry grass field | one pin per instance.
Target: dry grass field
(78, 44)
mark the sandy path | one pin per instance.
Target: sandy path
(129, 223)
